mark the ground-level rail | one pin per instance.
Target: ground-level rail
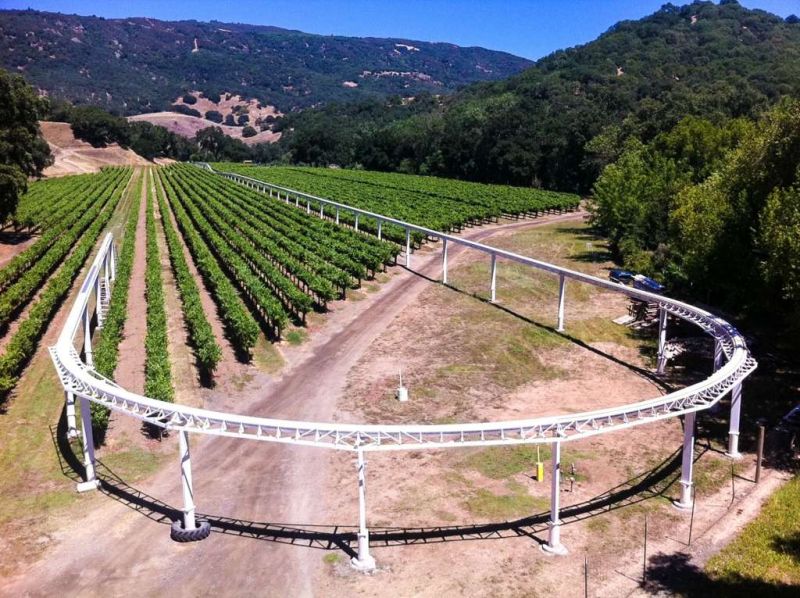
(732, 364)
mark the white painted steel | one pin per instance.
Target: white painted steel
(364, 561)
(81, 381)
(562, 295)
(186, 481)
(687, 462)
(662, 342)
(554, 544)
(78, 377)
(733, 430)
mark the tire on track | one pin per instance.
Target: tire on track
(179, 534)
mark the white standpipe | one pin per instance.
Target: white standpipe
(494, 277)
(687, 465)
(562, 293)
(554, 545)
(72, 427)
(91, 482)
(186, 482)
(364, 561)
(444, 261)
(733, 431)
(662, 341)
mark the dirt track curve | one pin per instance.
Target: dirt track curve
(112, 549)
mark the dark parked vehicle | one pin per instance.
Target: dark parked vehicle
(644, 283)
(621, 276)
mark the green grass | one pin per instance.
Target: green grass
(332, 558)
(498, 463)
(296, 337)
(768, 549)
(517, 503)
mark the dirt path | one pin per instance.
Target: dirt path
(113, 548)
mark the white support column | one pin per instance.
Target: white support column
(356, 223)
(296, 200)
(91, 483)
(494, 278)
(337, 215)
(270, 192)
(662, 341)
(408, 248)
(380, 229)
(687, 465)
(444, 261)
(364, 561)
(98, 306)
(308, 206)
(733, 431)
(562, 294)
(554, 545)
(113, 261)
(186, 481)
(72, 425)
(321, 210)
(87, 337)
(719, 355)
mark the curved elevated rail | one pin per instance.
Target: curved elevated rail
(733, 363)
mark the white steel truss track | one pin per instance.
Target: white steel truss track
(733, 363)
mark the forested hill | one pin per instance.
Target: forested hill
(637, 79)
(141, 65)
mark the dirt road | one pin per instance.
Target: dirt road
(112, 548)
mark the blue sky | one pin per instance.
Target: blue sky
(530, 28)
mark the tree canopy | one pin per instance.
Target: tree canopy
(23, 152)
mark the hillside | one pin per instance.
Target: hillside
(188, 126)
(73, 156)
(141, 65)
(636, 80)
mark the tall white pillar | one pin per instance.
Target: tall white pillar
(364, 561)
(494, 277)
(408, 248)
(444, 261)
(87, 337)
(662, 341)
(112, 258)
(72, 425)
(91, 482)
(337, 215)
(554, 545)
(186, 481)
(562, 294)
(733, 431)
(687, 465)
(356, 227)
(380, 229)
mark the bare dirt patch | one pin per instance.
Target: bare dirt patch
(188, 126)
(73, 156)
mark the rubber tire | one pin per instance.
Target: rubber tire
(201, 532)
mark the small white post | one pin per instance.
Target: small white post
(364, 561)
(308, 206)
(444, 261)
(87, 337)
(321, 210)
(337, 215)
(562, 292)
(687, 465)
(380, 229)
(356, 223)
(186, 481)
(554, 545)
(91, 482)
(733, 431)
(662, 341)
(270, 193)
(296, 200)
(98, 304)
(72, 426)
(494, 277)
(113, 261)
(408, 248)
